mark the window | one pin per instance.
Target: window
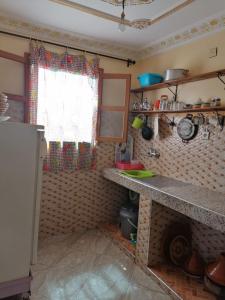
(66, 105)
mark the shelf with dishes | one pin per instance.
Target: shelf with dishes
(187, 79)
(182, 111)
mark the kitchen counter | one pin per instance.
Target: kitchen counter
(198, 203)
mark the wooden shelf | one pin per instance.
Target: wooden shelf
(113, 231)
(183, 285)
(177, 82)
(197, 110)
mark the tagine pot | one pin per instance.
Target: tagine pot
(195, 265)
(216, 270)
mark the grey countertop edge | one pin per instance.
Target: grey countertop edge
(196, 211)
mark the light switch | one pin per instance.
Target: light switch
(212, 52)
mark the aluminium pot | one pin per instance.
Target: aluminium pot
(172, 74)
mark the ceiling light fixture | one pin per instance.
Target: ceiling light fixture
(122, 26)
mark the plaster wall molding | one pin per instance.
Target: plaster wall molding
(69, 39)
(202, 29)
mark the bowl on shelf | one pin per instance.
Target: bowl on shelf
(148, 79)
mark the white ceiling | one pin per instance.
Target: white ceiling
(47, 13)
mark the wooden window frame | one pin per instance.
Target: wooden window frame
(25, 61)
(102, 108)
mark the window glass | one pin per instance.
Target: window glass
(66, 104)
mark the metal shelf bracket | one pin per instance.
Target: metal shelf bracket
(174, 93)
(219, 76)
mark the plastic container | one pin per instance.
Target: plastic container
(129, 166)
(128, 220)
(149, 79)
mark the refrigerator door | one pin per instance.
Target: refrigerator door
(40, 155)
(19, 144)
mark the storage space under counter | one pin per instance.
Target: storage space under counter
(164, 201)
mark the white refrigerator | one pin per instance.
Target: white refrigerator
(22, 149)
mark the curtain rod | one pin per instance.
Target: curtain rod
(128, 61)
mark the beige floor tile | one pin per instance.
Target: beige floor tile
(89, 266)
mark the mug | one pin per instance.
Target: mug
(138, 122)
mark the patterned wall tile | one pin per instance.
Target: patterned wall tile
(200, 162)
(72, 201)
(143, 234)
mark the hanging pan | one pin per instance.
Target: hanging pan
(147, 132)
(187, 129)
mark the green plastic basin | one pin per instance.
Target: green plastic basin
(138, 173)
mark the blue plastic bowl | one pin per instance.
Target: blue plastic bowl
(149, 79)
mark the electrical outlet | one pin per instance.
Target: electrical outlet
(213, 52)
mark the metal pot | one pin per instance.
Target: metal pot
(172, 74)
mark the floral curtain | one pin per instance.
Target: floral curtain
(63, 153)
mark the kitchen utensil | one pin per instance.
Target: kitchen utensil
(147, 132)
(135, 105)
(146, 104)
(216, 270)
(179, 249)
(177, 242)
(188, 106)
(215, 102)
(138, 122)
(187, 129)
(156, 105)
(194, 265)
(172, 74)
(156, 126)
(124, 151)
(138, 173)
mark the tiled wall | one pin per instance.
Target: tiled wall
(72, 201)
(200, 162)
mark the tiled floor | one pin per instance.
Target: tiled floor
(89, 266)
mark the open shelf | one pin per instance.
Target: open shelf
(177, 82)
(197, 110)
(183, 285)
(113, 231)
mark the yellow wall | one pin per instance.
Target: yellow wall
(192, 56)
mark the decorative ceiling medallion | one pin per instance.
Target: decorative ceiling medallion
(128, 2)
(140, 23)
